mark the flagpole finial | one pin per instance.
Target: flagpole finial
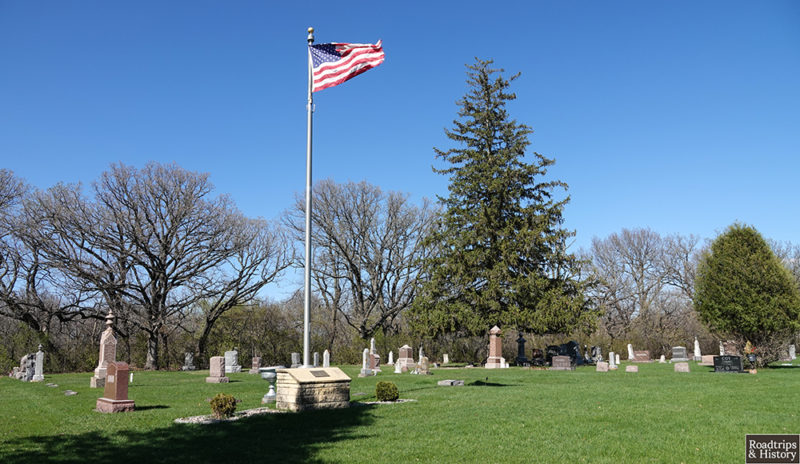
(310, 35)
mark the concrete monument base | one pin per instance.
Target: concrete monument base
(107, 405)
(218, 379)
(302, 389)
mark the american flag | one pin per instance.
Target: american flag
(334, 63)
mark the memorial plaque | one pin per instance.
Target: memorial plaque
(319, 373)
(728, 363)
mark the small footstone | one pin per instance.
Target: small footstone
(70, 393)
(631, 368)
(682, 367)
(450, 383)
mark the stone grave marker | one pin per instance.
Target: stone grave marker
(697, 354)
(681, 367)
(295, 360)
(707, 360)
(405, 361)
(616, 358)
(115, 393)
(631, 354)
(365, 370)
(612, 360)
(445, 358)
(232, 361)
(521, 360)
(728, 363)
(602, 366)
(315, 358)
(108, 353)
(562, 363)
(38, 369)
(390, 362)
(397, 368)
(188, 362)
(663, 359)
(326, 358)
(495, 349)
(450, 383)
(642, 356)
(679, 354)
(216, 371)
(792, 352)
(423, 366)
(255, 366)
(631, 368)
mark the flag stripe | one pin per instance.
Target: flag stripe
(335, 63)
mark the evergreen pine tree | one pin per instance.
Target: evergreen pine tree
(743, 292)
(502, 255)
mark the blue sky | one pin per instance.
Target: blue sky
(680, 116)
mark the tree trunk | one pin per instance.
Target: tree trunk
(152, 351)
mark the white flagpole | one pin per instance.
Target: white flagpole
(307, 299)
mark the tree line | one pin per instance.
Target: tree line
(182, 269)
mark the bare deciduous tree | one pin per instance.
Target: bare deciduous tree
(154, 243)
(368, 245)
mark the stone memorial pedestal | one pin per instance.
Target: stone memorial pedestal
(115, 393)
(495, 349)
(302, 389)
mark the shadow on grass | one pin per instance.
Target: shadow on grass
(289, 437)
(157, 406)
(481, 383)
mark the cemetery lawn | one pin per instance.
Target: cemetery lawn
(508, 415)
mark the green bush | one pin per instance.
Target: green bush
(386, 391)
(223, 405)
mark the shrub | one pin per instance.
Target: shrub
(223, 405)
(386, 391)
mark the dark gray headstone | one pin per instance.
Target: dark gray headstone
(728, 363)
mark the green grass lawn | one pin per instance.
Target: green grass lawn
(509, 415)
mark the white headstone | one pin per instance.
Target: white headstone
(697, 355)
(372, 345)
(398, 369)
(630, 352)
(617, 359)
(721, 349)
(326, 359)
(662, 359)
(421, 355)
(131, 379)
(295, 360)
(38, 369)
(391, 358)
(365, 370)
(232, 361)
(792, 352)
(612, 360)
(445, 358)
(316, 359)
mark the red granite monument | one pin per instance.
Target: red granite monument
(115, 395)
